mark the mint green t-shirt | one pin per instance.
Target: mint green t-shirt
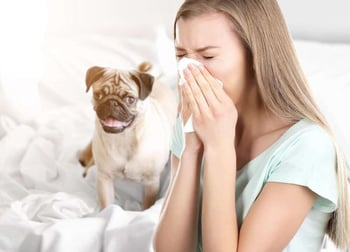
(303, 155)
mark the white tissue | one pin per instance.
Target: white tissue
(188, 125)
(181, 66)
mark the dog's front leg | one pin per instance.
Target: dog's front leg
(150, 193)
(105, 189)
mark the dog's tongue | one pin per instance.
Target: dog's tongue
(110, 122)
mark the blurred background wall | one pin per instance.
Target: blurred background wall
(321, 20)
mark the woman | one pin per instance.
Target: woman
(261, 172)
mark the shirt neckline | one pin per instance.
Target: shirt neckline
(285, 135)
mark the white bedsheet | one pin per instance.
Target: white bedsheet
(45, 203)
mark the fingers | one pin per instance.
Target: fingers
(185, 110)
(180, 103)
(216, 85)
(206, 89)
(207, 84)
(190, 98)
(195, 94)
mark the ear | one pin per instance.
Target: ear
(93, 74)
(144, 81)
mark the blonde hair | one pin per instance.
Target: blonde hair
(281, 82)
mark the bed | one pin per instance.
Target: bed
(46, 116)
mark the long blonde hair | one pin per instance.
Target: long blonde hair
(281, 82)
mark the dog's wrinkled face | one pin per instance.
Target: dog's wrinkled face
(116, 94)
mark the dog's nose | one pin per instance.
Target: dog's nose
(115, 104)
(116, 107)
(118, 110)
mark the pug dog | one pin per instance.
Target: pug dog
(135, 115)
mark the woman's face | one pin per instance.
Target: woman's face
(210, 39)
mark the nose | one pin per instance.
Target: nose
(114, 104)
(191, 60)
(115, 107)
(194, 57)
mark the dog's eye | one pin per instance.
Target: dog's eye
(129, 100)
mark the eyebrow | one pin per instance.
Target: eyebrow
(201, 49)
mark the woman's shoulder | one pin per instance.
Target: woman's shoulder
(308, 134)
(307, 157)
(305, 144)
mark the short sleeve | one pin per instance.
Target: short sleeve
(177, 144)
(310, 160)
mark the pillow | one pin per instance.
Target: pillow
(326, 66)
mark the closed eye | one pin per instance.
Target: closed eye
(179, 56)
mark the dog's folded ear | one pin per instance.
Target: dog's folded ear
(145, 83)
(93, 74)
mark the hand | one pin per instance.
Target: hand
(213, 112)
(193, 143)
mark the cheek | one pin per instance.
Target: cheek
(229, 72)
(233, 74)
(215, 68)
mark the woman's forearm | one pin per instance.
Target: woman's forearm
(219, 222)
(178, 226)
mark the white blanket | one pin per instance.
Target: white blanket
(46, 204)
